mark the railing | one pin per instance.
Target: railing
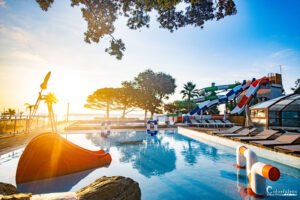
(10, 126)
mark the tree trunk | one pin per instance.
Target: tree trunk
(124, 112)
(107, 111)
(146, 114)
(189, 104)
(152, 113)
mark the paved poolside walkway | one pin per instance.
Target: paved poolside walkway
(12, 143)
(292, 160)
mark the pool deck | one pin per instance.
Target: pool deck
(14, 142)
(206, 137)
(96, 125)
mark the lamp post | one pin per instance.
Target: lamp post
(68, 111)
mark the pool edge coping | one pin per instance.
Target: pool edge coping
(279, 157)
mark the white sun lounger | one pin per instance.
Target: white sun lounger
(230, 130)
(286, 138)
(264, 135)
(289, 148)
(241, 133)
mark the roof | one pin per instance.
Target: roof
(267, 104)
(294, 106)
(290, 103)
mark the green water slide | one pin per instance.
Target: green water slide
(214, 88)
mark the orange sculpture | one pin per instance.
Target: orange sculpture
(49, 155)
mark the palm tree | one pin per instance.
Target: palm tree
(296, 89)
(11, 112)
(29, 107)
(189, 91)
(21, 114)
(49, 100)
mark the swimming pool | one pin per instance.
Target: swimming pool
(166, 166)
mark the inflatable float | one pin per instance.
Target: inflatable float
(50, 155)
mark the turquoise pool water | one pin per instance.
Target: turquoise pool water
(166, 166)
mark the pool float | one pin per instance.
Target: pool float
(50, 155)
(155, 123)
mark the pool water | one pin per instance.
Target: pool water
(166, 166)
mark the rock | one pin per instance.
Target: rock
(115, 187)
(8, 189)
(19, 196)
(105, 188)
(56, 196)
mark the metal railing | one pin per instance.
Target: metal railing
(13, 125)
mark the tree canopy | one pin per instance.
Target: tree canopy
(9, 112)
(152, 89)
(147, 91)
(101, 16)
(296, 89)
(50, 98)
(179, 106)
(126, 98)
(101, 99)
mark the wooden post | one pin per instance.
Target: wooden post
(15, 125)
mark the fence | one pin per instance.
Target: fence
(17, 125)
(240, 120)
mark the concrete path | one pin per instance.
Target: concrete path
(12, 143)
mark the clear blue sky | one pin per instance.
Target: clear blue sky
(252, 43)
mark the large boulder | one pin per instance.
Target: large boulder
(55, 196)
(19, 196)
(115, 187)
(105, 188)
(8, 189)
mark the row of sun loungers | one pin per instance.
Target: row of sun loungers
(230, 130)
(289, 148)
(242, 133)
(285, 139)
(211, 123)
(264, 135)
(287, 142)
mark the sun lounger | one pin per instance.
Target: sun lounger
(264, 135)
(241, 133)
(229, 131)
(287, 138)
(203, 123)
(214, 123)
(194, 122)
(211, 123)
(289, 148)
(228, 123)
(220, 123)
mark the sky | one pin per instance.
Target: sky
(263, 35)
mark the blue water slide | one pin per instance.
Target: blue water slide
(233, 93)
(199, 107)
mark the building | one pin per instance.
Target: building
(281, 112)
(272, 90)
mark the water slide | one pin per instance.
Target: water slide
(248, 96)
(215, 100)
(50, 155)
(217, 88)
